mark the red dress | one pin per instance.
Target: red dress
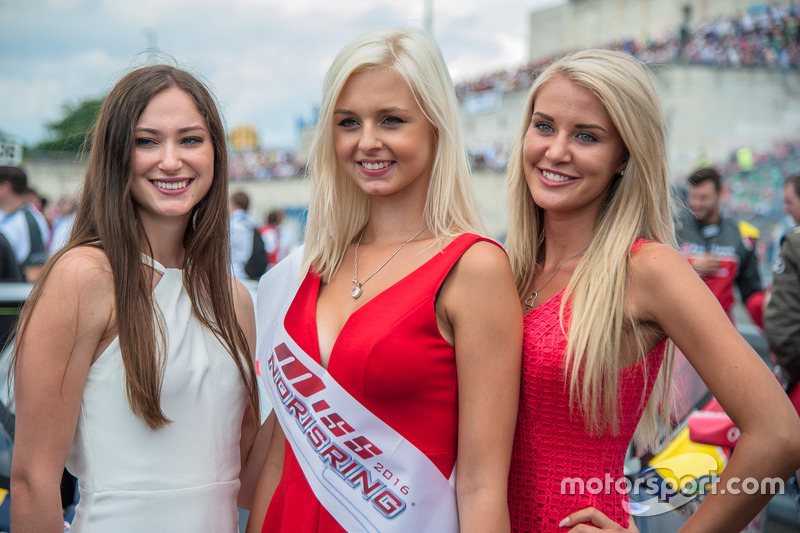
(551, 443)
(391, 357)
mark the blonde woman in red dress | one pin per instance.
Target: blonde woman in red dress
(592, 248)
(393, 364)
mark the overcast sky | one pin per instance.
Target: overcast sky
(264, 59)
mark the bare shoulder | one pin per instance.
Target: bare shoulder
(660, 278)
(483, 259)
(482, 274)
(84, 270)
(77, 297)
(241, 295)
(655, 261)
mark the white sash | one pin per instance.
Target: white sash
(365, 474)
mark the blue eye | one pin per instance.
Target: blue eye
(348, 123)
(392, 121)
(144, 141)
(192, 140)
(587, 137)
(543, 127)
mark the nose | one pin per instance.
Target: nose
(558, 149)
(171, 161)
(370, 139)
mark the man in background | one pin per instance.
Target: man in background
(782, 313)
(21, 223)
(716, 248)
(248, 259)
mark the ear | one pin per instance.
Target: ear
(623, 164)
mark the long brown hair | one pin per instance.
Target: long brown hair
(107, 217)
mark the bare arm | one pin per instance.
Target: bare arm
(667, 292)
(483, 311)
(255, 438)
(268, 482)
(68, 328)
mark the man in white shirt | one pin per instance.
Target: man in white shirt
(241, 226)
(21, 223)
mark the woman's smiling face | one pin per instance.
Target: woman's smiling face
(572, 151)
(384, 141)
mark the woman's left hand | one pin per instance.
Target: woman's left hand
(590, 519)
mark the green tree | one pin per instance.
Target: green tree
(72, 133)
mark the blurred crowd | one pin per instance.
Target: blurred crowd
(752, 192)
(766, 36)
(263, 164)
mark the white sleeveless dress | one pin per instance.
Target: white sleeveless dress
(183, 477)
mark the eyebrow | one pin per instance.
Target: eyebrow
(579, 126)
(380, 111)
(187, 129)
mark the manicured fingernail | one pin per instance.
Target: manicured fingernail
(564, 523)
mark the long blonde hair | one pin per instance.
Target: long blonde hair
(338, 208)
(639, 205)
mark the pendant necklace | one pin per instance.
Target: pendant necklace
(535, 294)
(357, 291)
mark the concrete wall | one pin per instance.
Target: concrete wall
(586, 23)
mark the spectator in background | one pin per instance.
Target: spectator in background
(62, 223)
(21, 223)
(716, 249)
(782, 312)
(287, 236)
(791, 198)
(9, 269)
(241, 226)
(270, 234)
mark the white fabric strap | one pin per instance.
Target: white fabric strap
(365, 474)
(152, 263)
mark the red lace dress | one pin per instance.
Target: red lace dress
(551, 443)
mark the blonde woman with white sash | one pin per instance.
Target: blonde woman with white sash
(390, 348)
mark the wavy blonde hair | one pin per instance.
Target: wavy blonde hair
(639, 205)
(338, 208)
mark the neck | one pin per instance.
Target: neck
(388, 224)
(166, 241)
(12, 204)
(563, 238)
(713, 218)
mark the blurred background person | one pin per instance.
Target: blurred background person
(782, 312)
(22, 223)
(248, 258)
(62, 222)
(716, 248)
(270, 234)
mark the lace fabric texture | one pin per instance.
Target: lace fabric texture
(556, 466)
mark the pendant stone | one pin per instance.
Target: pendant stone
(356, 292)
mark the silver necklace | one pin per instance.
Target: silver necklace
(535, 294)
(357, 291)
